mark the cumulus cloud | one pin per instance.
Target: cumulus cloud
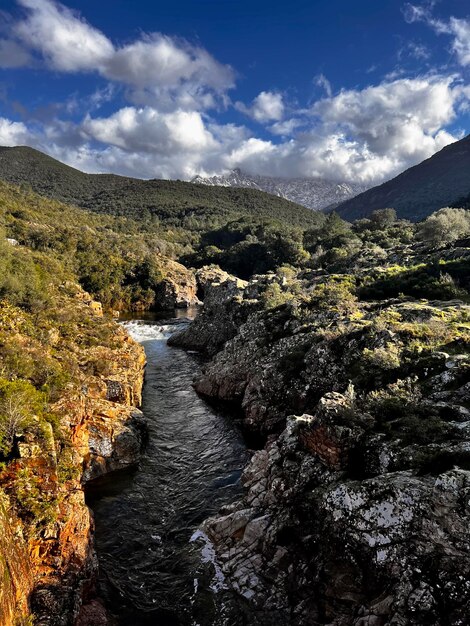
(366, 135)
(402, 117)
(68, 43)
(148, 130)
(13, 133)
(155, 66)
(268, 106)
(363, 135)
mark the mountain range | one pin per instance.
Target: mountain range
(314, 193)
(442, 180)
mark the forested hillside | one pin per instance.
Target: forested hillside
(174, 203)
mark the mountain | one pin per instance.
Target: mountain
(172, 202)
(314, 193)
(440, 181)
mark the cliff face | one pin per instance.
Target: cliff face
(48, 561)
(15, 571)
(356, 508)
(224, 310)
(178, 289)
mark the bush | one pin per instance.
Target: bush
(384, 358)
(336, 294)
(399, 412)
(445, 226)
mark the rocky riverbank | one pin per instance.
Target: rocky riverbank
(93, 427)
(356, 507)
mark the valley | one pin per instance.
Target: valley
(298, 452)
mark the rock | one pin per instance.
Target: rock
(93, 614)
(223, 312)
(49, 563)
(177, 290)
(352, 514)
(15, 570)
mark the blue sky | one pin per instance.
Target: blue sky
(339, 89)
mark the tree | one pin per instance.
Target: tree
(19, 401)
(445, 226)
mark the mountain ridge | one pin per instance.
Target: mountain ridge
(170, 201)
(434, 183)
(314, 193)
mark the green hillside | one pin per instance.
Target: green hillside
(176, 203)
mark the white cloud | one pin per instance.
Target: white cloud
(361, 135)
(322, 81)
(286, 128)
(367, 135)
(397, 110)
(67, 42)
(156, 67)
(268, 106)
(161, 60)
(13, 133)
(461, 44)
(148, 130)
(458, 28)
(415, 50)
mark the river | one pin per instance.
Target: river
(155, 567)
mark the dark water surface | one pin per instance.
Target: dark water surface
(151, 556)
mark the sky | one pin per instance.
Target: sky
(345, 90)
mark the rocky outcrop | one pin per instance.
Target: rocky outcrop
(224, 310)
(308, 545)
(178, 289)
(47, 560)
(355, 511)
(15, 572)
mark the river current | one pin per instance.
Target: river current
(155, 566)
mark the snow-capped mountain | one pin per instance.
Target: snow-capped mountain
(314, 193)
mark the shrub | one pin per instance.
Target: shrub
(35, 502)
(274, 296)
(399, 412)
(384, 358)
(336, 294)
(445, 226)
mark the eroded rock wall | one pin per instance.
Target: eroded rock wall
(356, 509)
(48, 566)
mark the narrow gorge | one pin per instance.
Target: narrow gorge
(293, 451)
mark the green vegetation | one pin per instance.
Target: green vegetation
(400, 412)
(376, 308)
(244, 247)
(20, 403)
(321, 270)
(173, 204)
(445, 225)
(443, 280)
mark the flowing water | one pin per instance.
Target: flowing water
(155, 566)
